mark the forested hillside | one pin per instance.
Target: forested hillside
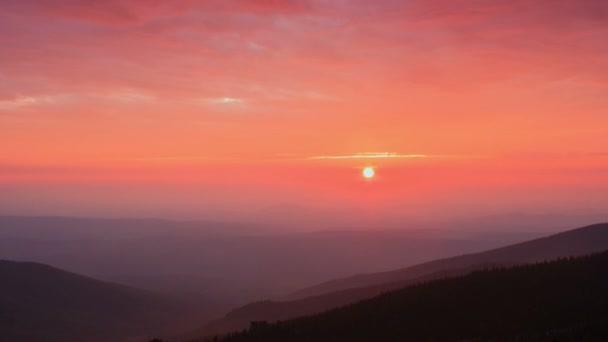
(564, 300)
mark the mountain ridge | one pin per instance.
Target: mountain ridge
(576, 242)
(39, 302)
(560, 300)
(364, 279)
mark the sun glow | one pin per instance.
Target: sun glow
(368, 172)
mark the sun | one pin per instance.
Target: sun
(368, 172)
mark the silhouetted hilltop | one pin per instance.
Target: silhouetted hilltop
(226, 264)
(42, 303)
(582, 241)
(564, 300)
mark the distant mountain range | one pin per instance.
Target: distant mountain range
(43, 303)
(227, 264)
(332, 294)
(564, 300)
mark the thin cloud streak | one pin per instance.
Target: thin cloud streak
(224, 101)
(372, 155)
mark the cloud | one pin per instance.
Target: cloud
(270, 5)
(18, 102)
(26, 101)
(114, 98)
(127, 97)
(224, 101)
(310, 43)
(323, 60)
(137, 12)
(106, 12)
(374, 155)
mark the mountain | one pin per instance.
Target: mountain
(340, 292)
(42, 303)
(229, 264)
(564, 300)
(85, 228)
(575, 242)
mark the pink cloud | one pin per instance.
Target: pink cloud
(111, 12)
(178, 50)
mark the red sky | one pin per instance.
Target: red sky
(192, 108)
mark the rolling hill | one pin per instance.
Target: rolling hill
(581, 241)
(340, 292)
(229, 264)
(564, 300)
(42, 303)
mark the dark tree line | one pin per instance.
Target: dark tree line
(563, 300)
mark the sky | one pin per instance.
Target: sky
(242, 109)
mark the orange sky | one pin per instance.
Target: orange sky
(225, 104)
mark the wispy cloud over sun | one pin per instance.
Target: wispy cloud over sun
(374, 155)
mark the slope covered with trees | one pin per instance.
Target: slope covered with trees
(564, 300)
(575, 242)
(581, 241)
(43, 303)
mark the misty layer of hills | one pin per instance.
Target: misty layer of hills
(227, 264)
(575, 242)
(331, 294)
(564, 300)
(44, 303)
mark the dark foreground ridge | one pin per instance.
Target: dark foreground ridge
(578, 242)
(43, 303)
(564, 300)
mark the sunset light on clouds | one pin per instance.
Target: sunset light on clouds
(205, 108)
